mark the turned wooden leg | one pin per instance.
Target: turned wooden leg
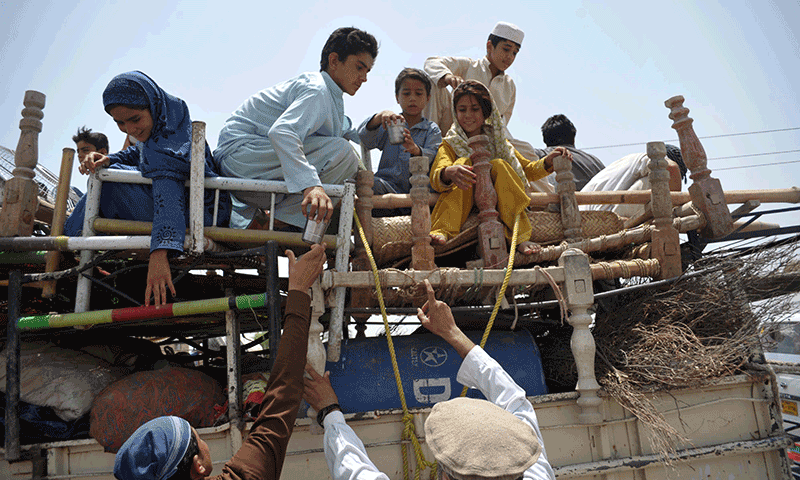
(491, 233)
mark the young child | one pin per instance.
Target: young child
(502, 48)
(87, 141)
(163, 130)
(297, 132)
(412, 89)
(452, 169)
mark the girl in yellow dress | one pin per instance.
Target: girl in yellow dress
(452, 174)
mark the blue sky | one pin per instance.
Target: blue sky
(607, 65)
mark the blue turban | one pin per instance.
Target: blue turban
(154, 450)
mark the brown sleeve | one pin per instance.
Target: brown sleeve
(262, 454)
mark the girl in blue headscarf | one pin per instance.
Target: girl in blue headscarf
(162, 128)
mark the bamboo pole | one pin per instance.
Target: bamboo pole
(639, 197)
(59, 217)
(121, 315)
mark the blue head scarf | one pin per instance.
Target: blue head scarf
(154, 450)
(167, 152)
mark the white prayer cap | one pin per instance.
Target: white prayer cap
(477, 439)
(509, 31)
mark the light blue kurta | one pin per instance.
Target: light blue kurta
(295, 131)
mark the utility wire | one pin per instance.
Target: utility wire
(755, 166)
(701, 138)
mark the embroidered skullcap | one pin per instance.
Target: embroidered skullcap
(476, 438)
(124, 89)
(154, 450)
(509, 31)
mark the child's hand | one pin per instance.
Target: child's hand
(450, 79)
(461, 175)
(558, 151)
(91, 161)
(159, 279)
(409, 145)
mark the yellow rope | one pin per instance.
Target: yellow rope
(502, 291)
(408, 429)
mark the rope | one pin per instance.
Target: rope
(502, 292)
(408, 428)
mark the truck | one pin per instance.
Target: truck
(552, 312)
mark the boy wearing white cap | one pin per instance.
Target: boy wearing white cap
(502, 48)
(470, 439)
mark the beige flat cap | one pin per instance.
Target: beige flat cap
(476, 437)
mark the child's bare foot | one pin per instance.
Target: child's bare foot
(528, 248)
(438, 239)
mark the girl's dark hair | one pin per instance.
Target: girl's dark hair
(413, 73)
(347, 41)
(133, 107)
(185, 466)
(477, 90)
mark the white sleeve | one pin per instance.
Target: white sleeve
(479, 370)
(438, 67)
(345, 453)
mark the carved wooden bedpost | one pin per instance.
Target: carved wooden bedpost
(665, 241)
(565, 187)
(491, 233)
(422, 251)
(706, 191)
(21, 193)
(580, 297)
(359, 297)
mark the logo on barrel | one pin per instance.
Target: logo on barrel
(433, 356)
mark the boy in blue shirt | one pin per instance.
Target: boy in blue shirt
(297, 132)
(412, 89)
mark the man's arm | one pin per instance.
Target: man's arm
(345, 453)
(481, 371)
(447, 70)
(262, 455)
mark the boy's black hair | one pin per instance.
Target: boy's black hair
(558, 130)
(97, 139)
(184, 470)
(495, 40)
(346, 41)
(415, 74)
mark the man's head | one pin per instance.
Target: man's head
(474, 440)
(674, 154)
(165, 448)
(348, 56)
(87, 141)
(412, 89)
(558, 130)
(503, 45)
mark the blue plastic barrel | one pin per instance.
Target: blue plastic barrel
(364, 379)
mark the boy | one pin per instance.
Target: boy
(502, 48)
(412, 90)
(297, 132)
(87, 141)
(559, 131)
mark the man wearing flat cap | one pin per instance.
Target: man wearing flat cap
(168, 448)
(470, 439)
(502, 47)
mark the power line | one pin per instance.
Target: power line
(701, 138)
(754, 155)
(754, 166)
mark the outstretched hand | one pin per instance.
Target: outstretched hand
(558, 151)
(316, 205)
(318, 391)
(304, 271)
(92, 161)
(437, 317)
